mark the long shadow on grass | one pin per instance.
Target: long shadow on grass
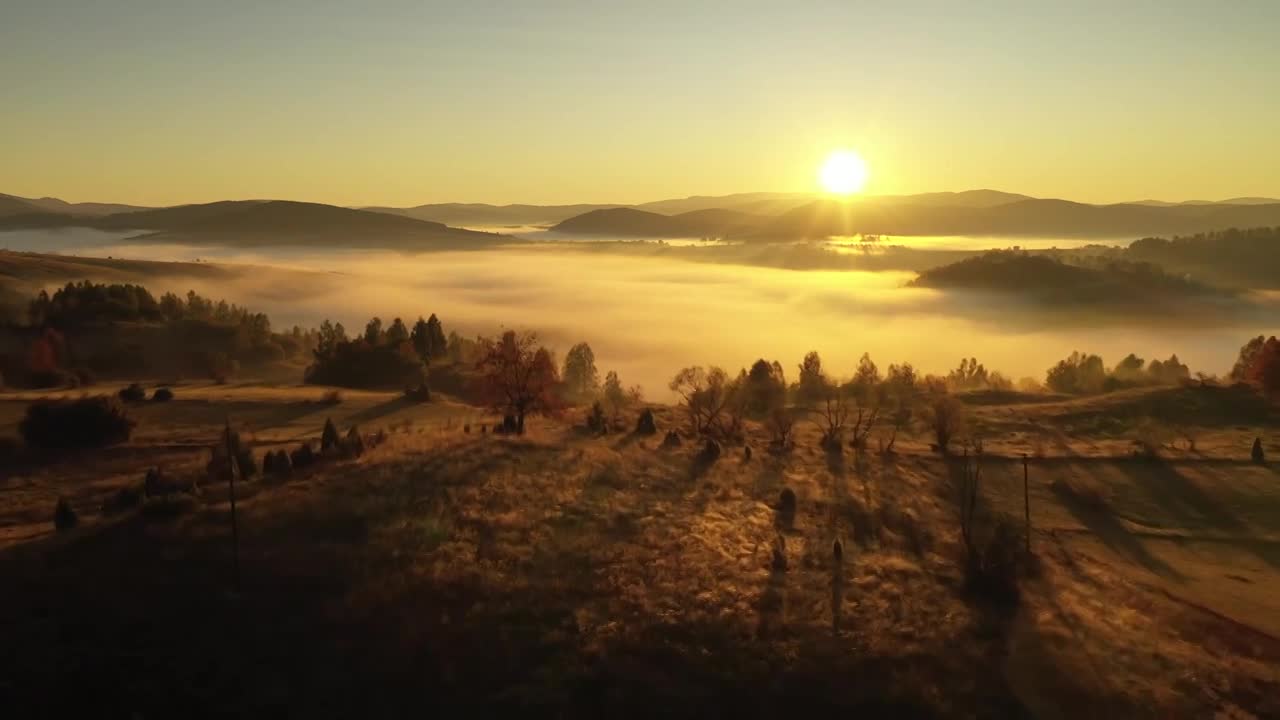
(1190, 504)
(1113, 533)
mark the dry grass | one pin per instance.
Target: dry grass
(558, 572)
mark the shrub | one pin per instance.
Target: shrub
(1258, 456)
(81, 423)
(84, 376)
(55, 378)
(133, 393)
(331, 397)
(646, 425)
(283, 465)
(421, 393)
(303, 456)
(946, 419)
(163, 394)
(596, 420)
(353, 444)
(247, 463)
(329, 438)
(787, 507)
(64, 516)
(992, 572)
(671, 440)
(123, 499)
(710, 452)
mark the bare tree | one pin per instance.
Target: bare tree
(704, 394)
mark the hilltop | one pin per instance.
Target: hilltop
(629, 222)
(270, 222)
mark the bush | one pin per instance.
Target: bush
(421, 393)
(82, 423)
(163, 394)
(133, 393)
(84, 377)
(993, 572)
(64, 516)
(42, 379)
(123, 499)
(1256, 454)
(353, 444)
(596, 420)
(247, 463)
(331, 397)
(303, 456)
(646, 425)
(329, 438)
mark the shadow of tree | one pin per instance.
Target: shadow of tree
(1113, 533)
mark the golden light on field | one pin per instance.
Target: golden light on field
(843, 173)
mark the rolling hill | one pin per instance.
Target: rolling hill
(630, 222)
(54, 205)
(270, 222)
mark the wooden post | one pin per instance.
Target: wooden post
(1026, 500)
(231, 486)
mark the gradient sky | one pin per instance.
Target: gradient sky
(401, 103)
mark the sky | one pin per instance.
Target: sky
(403, 103)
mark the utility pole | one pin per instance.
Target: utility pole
(231, 486)
(1026, 501)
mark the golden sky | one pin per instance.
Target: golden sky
(403, 103)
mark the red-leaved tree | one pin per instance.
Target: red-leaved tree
(1264, 369)
(518, 376)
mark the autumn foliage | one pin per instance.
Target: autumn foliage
(517, 376)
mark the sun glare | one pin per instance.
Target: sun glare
(843, 173)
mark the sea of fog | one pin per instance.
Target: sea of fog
(647, 317)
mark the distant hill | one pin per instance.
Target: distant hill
(1033, 217)
(54, 205)
(629, 222)
(10, 205)
(271, 222)
(490, 215)
(1045, 279)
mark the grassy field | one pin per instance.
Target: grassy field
(561, 573)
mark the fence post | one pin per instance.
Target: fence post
(231, 486)
(1026, 500)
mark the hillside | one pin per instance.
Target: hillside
(629, 222)
(268, 222)
(1023, 217)
(55, 205)
(567, 574)
(1042, 279)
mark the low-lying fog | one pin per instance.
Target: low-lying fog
(648, 316)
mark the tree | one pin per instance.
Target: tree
(580, 375)
(971, 375)
(1244, 362)
(704, 394)
(946, 417)
(518, 376)
(1169, 372)
(437, 346)
(811, 384)
(1264, 370)
(865, 378)
(617, 397)
(765, 388)
(373, 331)
(1079, 374)
(397, 333)
(420, 338)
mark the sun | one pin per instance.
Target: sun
(843, 173)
